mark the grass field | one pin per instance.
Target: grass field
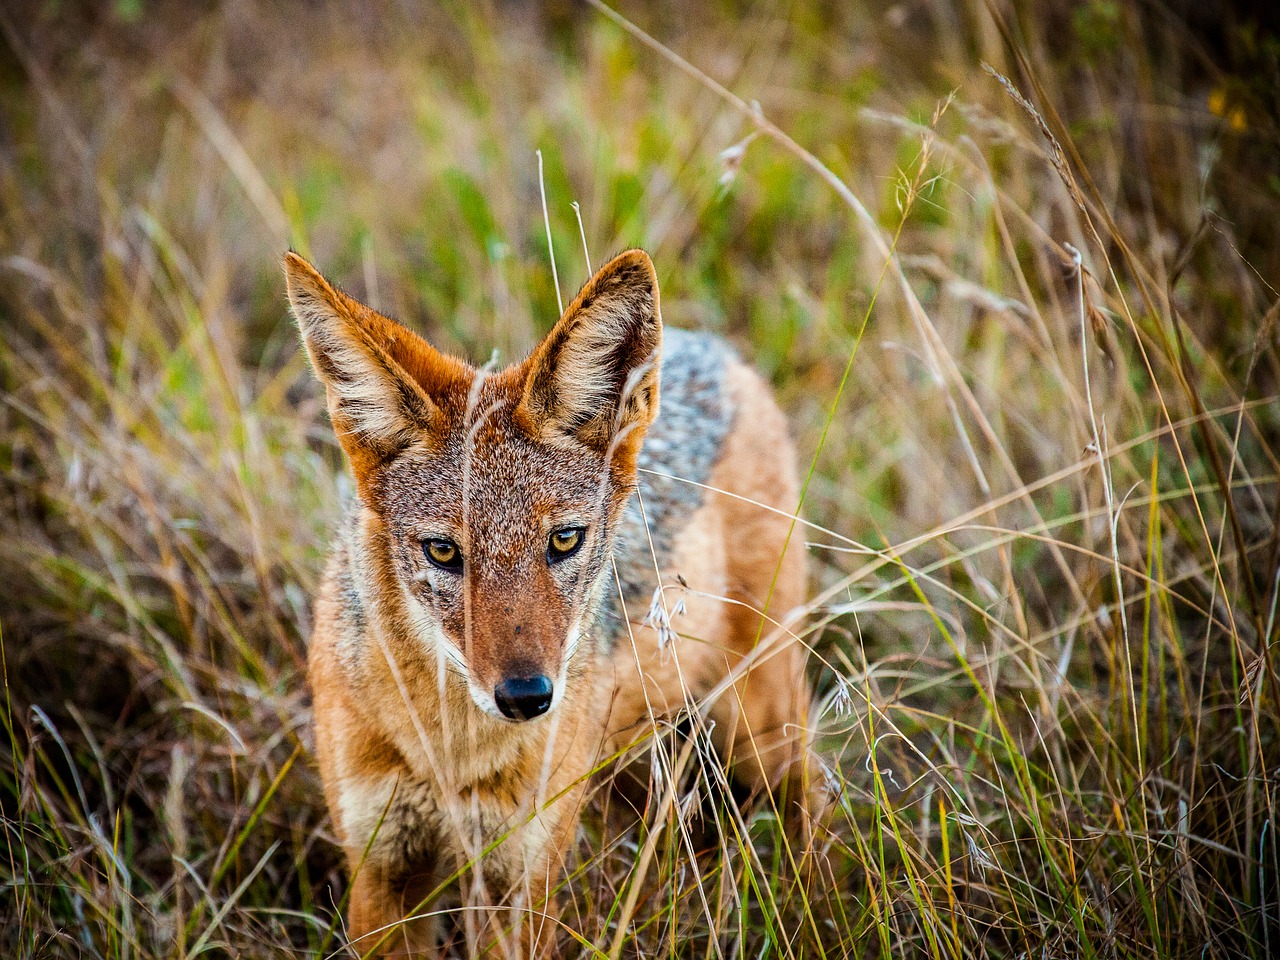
(1011, 268)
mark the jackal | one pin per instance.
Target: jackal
(496, 613)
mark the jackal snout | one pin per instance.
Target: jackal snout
(524, 695)
(517, 643)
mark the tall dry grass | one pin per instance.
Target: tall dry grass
(1023, 319)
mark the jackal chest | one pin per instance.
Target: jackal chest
(417, 827)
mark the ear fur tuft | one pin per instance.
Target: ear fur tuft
(594, 379)
(365, 360)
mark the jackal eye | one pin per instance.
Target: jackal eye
(443, 554)
(564, 543)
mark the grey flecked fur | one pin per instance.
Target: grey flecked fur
(684, 442)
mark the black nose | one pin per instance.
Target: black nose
(523, 698)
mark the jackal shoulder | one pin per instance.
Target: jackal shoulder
(680, 451)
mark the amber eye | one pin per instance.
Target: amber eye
(564, 543)
(443, 553)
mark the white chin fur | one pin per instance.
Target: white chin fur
(484, 700)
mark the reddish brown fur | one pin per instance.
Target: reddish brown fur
(412, 752)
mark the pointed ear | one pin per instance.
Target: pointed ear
(376, 372)
(594, 379)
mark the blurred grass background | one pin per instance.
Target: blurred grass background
(1044, 501)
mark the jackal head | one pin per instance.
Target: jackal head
(497, 493)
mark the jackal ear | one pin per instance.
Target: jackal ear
(376, 373)
(594, 379)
